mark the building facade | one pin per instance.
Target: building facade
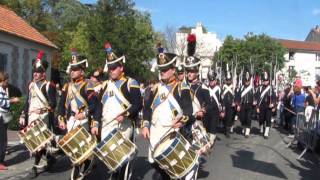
(304, 58)
(207, 44)
(19, 45)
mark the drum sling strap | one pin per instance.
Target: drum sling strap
(75, 93)
(122, 100)
(168, 95)
(195, 100)
(39, 93)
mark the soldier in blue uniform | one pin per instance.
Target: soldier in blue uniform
(120, 104)
(78, 106)
(169, 106)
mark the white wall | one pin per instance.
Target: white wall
(25, 51)
(303, 61)
(207, 43)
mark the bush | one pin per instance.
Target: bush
(16, 111)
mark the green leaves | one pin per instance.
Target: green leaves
(262, 49)
(69, 23)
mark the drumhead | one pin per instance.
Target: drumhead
(165, 143)
(107, 138)
(69, 135)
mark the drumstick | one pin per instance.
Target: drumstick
(151, 147)
(163, 136)
(116, 117)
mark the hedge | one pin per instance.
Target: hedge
(16, 111)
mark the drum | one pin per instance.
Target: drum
(175, 155)
(35, 136)
(201, 139)
(115, 150)
(78, 145)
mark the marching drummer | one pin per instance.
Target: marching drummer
(169, 106)
(202, 106)
(78, 106)
(120, 103)
(40, 105)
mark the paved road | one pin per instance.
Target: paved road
(237, 158)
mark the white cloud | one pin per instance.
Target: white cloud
(316, 12)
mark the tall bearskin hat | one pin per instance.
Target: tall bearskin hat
(180, 69)
(112, 60)
(265, 76)
(228, 74)
(40, 64)
(212, 75)
(246, 76)
(77, 61)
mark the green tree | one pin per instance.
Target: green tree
(68, 13)
(261, 49)
(69, 23)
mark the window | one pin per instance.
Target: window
(317, 71)
(317, 57)
(291, 71)
(291, 55)
(3, 62)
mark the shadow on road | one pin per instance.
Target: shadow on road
(245, 160)
(138, 172)
(21, 155)
(63, 164)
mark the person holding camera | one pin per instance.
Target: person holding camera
(5, 117)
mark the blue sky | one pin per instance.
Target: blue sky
(286, 19)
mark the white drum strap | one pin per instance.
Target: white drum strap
(40, 95)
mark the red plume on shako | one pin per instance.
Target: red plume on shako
(191, 47)
(107, 47)
(191, 62)
(39, 57)
(73, 51)
(112, 59)
(39, 64)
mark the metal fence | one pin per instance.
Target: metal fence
(307, 130)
